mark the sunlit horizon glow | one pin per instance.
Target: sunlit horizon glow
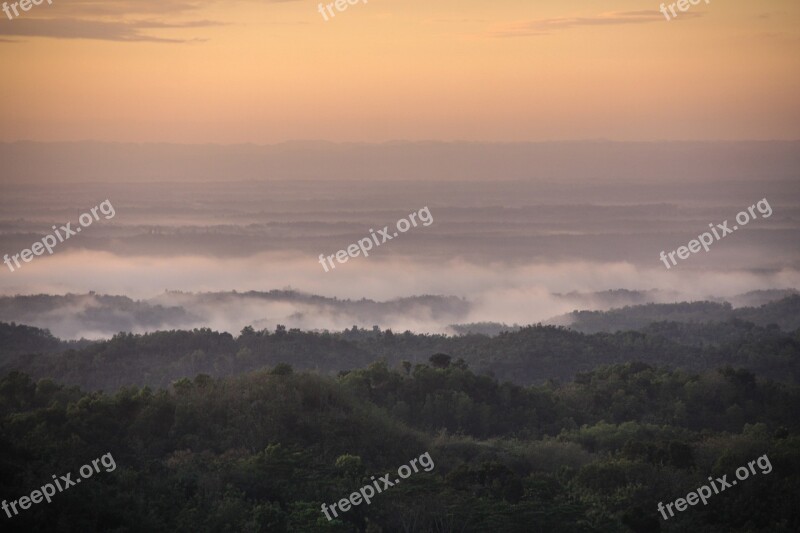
(266, 72)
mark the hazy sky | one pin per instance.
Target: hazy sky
(500, 70)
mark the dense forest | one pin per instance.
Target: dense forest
(263, 451)
(541, 429)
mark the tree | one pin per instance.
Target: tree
(282, 369)
(440, 360)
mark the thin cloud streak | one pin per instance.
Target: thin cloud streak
(122, 8)
(108, 20)
(98, 30)
(530, 28)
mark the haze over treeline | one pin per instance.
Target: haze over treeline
(91, 316)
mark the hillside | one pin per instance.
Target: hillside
(784, 312)
(263, 452)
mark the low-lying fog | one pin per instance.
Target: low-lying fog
(512, 252)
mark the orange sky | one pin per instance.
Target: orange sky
(488, 70)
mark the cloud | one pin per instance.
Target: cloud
(121, 8)
(530, 28)
(111, 20)
(118, 8)
(97, 29)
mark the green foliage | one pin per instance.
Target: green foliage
(262, 452)
(581, 432)
(440, 360)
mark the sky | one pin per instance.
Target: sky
(247, 71)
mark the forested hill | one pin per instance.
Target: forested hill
(254, 432)
(262, 452)
(785, 313)
(530, 355)
(18, 339)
